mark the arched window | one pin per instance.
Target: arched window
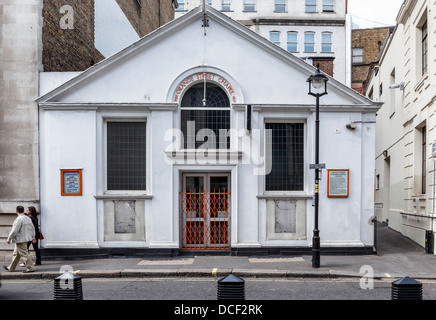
(205, 124)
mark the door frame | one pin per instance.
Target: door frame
(207, 219)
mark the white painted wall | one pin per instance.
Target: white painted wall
(399, 120)
(139, 83)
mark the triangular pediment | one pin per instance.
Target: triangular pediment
(146, 71)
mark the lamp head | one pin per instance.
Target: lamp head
(318, 81)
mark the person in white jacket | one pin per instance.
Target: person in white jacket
(22, 232)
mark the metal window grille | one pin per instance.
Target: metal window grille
(126, 155)
(205, 220)
(287, 155)
(215, 117)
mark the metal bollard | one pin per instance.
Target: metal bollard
(406, 289)
(231, 288)
(68, 286)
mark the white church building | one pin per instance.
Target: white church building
(199, 138)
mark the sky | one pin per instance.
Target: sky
(366, 12)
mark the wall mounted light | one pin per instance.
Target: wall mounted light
(351, 125)
(400, 86)
(385, 154)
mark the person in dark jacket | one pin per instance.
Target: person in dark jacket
(33, 214)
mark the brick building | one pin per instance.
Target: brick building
(366, 45)
(72, 46)
(52, 36)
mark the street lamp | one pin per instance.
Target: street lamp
(317, 88)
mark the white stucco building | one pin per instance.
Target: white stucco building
(318, 31)
(138, 154)
(405, 83)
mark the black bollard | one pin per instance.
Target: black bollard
(231, 288)
(406, 289)
(68, 286)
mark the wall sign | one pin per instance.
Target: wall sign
(210, 77)
(71, 182)
(338, 183)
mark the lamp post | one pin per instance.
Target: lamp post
(317, 88)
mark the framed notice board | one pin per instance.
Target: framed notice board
(71, 182)
(338, 181)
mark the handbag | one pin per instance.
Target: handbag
(41, 236)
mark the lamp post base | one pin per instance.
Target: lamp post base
(316, 250)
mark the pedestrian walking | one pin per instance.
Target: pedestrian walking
(22, 232)
(33, 214)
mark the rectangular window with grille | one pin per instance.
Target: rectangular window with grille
(126, 155)
(285, 146)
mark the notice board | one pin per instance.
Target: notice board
(338, 183)
(71, 182)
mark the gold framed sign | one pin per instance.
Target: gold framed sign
(71, 182)
(338, 183)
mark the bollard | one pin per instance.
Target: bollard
(68, 286)
(231, 288)
(406, 289)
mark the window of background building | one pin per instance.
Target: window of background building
(424, 44)
(126, 156)
(371, 93)
(285, 147)
(357, 55)
(181, 6)
(280, 5)
(392, 92)
(249, 5)
(292, 43)
(326, 42)
(209, 2)
(310, 5)
(328, 6)
(274, 36)
(424, 159)
(309, 42)
(226, 5)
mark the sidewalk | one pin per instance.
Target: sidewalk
(397, 257)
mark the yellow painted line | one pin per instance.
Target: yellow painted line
(388, 275)
(214, 270)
